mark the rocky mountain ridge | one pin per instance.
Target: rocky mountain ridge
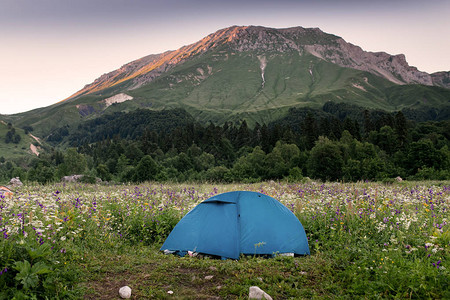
(262, 40)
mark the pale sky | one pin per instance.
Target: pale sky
(50, 49)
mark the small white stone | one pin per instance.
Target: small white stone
(125, 292)
(257, 293)
(170, 292)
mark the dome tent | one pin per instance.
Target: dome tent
(239, 222)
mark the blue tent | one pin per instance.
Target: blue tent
(232, 223)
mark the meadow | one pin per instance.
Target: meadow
(85, 241)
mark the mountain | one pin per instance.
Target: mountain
(262, 40)
(253, 73)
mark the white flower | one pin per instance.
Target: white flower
(393, 240)
(407, 224)
(63, 238)
(381, 226)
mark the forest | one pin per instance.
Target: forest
(339, 142)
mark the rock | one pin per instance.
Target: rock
(209, 277)
(392, 67)
(72, 178)
(289, 254)
(125, 292)
(119, 98)
(257, 293)
(441, 79)
(15, 182)
(399, 179)
(170, 292)
(5, 191)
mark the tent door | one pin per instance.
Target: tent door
(220, 230)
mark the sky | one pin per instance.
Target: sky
(50, 49)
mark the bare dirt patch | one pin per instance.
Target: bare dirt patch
(152, 281)
(36, 139)
(359, 87)
(34, 149)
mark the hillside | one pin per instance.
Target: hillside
(15, 143)
(252, 73)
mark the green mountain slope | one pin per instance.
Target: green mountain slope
(251, 73)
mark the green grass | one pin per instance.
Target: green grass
(417, 96)
(367, 240)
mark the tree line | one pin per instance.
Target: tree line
(337, 142)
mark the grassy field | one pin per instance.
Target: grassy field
(367, 240)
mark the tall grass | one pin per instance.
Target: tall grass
(367, 240)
